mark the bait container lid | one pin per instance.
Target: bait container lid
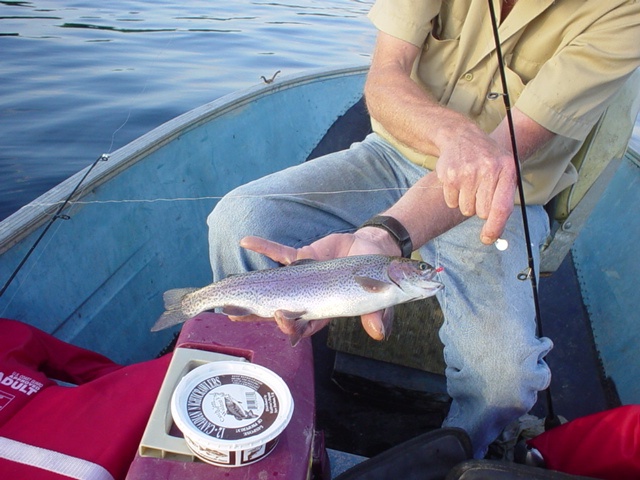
(231, 413)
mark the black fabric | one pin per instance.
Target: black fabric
(351, 127)
(427, 457)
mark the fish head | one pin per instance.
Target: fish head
(415, 278)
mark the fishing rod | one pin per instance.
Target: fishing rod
(529, 273)
(57, 216)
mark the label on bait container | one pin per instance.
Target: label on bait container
(231, 413)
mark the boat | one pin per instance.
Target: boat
(88, 261)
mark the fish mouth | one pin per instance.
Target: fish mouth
(426, 281)
(432, 274)
(420, 274)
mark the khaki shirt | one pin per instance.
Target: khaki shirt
(565, 60)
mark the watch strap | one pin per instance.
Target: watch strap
(395, 229)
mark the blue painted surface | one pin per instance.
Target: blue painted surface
(342, 461)
(97, 279)
(608, 267)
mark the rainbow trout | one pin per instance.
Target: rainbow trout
(308, 290)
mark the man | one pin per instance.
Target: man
(440, 171)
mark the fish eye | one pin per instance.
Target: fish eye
(423, 266)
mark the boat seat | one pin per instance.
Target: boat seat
(163, 452)
(596, 162)
(498, 470)
(415, 343)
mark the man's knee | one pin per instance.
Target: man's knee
(235, 216)
(513, 388)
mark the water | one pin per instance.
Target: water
(81, 78)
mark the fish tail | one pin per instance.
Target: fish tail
(173, 314)
(173, 298)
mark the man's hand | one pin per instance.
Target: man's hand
(475, 168)
(479, 178)
(364, 241)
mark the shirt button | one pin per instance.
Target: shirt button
(468, 77)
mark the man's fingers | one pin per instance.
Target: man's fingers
(501, 209)
(275, 251)
(292, 327)
(467, 201)
(374, 325)
(484, 197)
(286, 325)
(451, 196)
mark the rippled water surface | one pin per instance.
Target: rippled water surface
(82, 78)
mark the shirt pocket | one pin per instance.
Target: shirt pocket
(435, 69)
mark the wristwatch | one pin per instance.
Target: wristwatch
(396, 229)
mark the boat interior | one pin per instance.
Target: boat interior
(365, 405)
(369, 396)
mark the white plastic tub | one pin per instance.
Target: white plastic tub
(231, 413)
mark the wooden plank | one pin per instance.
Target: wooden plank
(413, 342)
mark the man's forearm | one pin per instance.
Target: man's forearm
(425, 224)
(406, 110)
(475, 172)
(423, 210)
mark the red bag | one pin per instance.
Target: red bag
(604, 445)
(91, 430)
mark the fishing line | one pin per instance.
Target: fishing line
(57, 216)
(529, 273)
(229, 196)
(78, 188)
(69, 203)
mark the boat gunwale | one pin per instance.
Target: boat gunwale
(36, 213)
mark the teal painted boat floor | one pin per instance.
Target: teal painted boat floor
(368, 420)
(578, 384)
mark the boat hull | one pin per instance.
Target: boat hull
(137, 227)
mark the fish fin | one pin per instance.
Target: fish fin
(302, 261)
(235, 311)
(169, 319)
(371, 284)
(288, 315)
(387, 320)
(173, 314)
(287, 321)
(173, 298)
(300, 327)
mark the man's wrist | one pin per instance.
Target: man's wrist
(395, 230)
(381, 238)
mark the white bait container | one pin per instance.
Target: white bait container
(231, 413)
